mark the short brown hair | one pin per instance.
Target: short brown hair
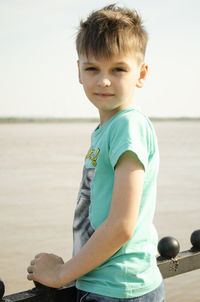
(110, 31)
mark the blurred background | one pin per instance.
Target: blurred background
(38, 70)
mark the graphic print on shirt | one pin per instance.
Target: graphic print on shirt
(93, 156)
(82, 228)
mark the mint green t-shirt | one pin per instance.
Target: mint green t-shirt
(132, 271)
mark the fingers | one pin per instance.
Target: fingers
(30, 271)
(37, 257)
(31, 268)
(30, 277)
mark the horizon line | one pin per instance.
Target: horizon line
(84, 119)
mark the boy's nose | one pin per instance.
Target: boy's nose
(103, 81)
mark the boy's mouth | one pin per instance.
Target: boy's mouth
(103, 95)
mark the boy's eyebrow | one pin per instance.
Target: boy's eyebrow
(89, 63)
(115, 63)
(121, 63)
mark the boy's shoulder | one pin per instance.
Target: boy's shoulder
(131, 117)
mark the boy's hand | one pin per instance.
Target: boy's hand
(45, 269)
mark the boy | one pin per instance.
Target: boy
(114, 238)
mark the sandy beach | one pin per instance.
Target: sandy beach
(40, 172)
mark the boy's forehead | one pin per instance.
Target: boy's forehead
(115, 59)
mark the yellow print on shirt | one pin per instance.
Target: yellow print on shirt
(93, 155)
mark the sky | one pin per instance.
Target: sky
(38, 60)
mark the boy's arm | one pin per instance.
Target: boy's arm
(116, 230)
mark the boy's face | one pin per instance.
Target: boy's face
(110, 84)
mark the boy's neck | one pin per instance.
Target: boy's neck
(107, 115)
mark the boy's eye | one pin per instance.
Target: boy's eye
(119, 69)
(90, 69)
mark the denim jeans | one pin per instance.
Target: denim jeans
(157, 295)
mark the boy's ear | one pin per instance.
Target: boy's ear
(79, 73)
(142, 76)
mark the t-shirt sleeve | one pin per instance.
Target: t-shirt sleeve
(129, 135)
